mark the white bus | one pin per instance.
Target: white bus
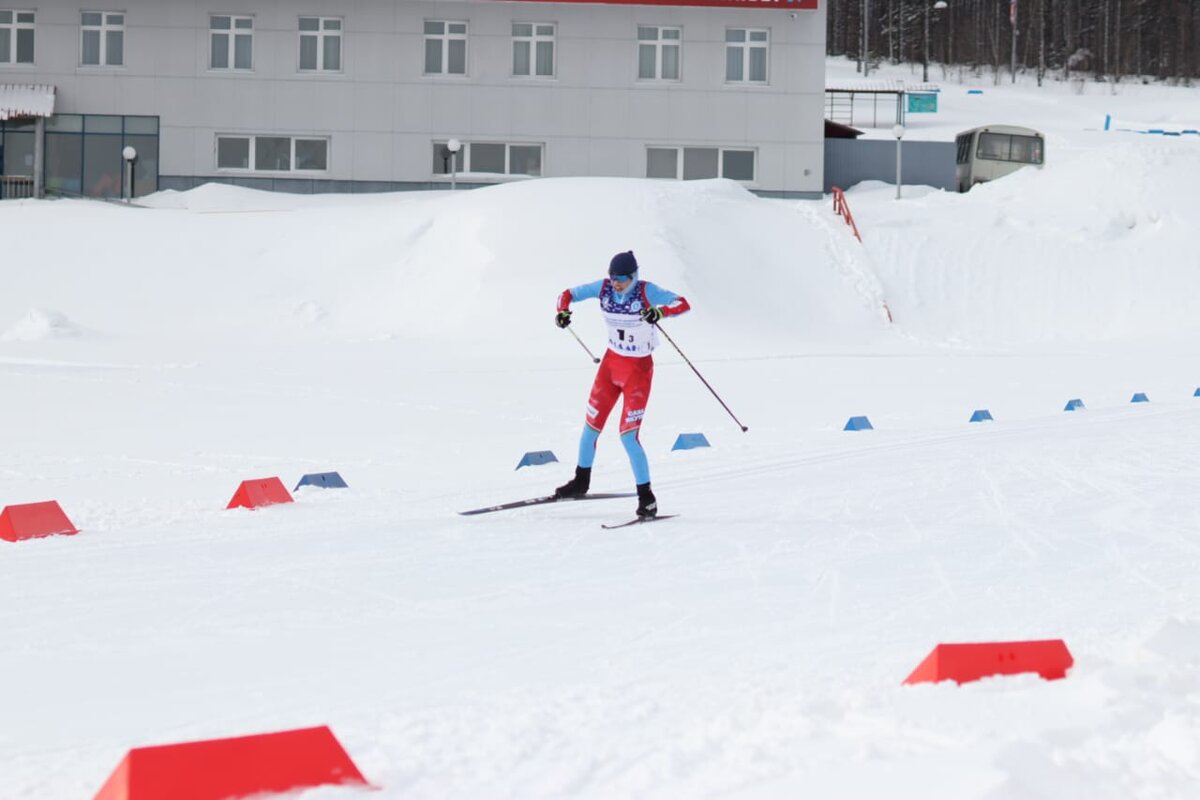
(993, 151)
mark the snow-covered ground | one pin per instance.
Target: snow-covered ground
(152, 358)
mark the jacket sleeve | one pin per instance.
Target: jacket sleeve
(585, 292)
(671, 304)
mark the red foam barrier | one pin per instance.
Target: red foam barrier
(34, 520)
(970, 662)
(260, 492)
(217, 769)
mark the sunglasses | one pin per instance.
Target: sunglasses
(620, 278)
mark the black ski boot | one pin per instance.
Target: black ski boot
(647, 505)
(577, 486)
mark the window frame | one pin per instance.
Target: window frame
(720, 152)
(660, 44)
(746, 46)
(533, 39)
(252, 138)
(446, 37)
(464, 159)
(321, 34)
(12, 31)
(230, 34)
(103, 29)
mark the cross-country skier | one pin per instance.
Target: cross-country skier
(632, 309)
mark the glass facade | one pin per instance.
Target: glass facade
(84, 153)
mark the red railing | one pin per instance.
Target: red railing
(840, 207)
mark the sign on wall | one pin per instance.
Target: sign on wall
(786, 5)
(922, 103)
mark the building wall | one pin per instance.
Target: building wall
(382, 115)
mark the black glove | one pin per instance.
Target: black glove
(652, 314)
(563, 318)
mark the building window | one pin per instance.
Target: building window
(16, 37)
(321, 44)
(445, 48)
(698, 163)
(746, 55)
(103, 39)
(497, 158)
(231, 42)
(272, 153)
(83, 154)
(533, 49)
(658, 53)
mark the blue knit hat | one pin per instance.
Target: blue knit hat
(622, 264)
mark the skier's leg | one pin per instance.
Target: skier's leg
(587, 446)
(636, 388)
(600, 404)
(637, 457)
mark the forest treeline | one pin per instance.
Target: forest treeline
(1100, 39)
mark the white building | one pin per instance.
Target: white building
(363, 95)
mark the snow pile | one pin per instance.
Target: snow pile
(481, 267)
(756, 265)
(1086, 249)
(1097, 246)
(40, 324)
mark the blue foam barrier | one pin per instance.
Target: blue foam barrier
(687, 441)
(535, 457)
(981, 415)
(325, 480)
(858, 424)
(1140, 397)
(1074, 405)
(974, 91)
(1197, 393)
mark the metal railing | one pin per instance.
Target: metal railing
(13, 187)
(841, 208)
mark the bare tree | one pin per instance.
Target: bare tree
(1111, 39)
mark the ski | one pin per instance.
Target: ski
(638, 521)
(537, 501)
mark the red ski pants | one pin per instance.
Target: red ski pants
(620, 375)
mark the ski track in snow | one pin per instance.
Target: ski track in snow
(748, 648)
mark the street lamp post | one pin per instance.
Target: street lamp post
(130, 156)
(898, 132)
(452, 147)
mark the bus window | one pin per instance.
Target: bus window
(1026, 149)
(963, 153)
(994, 146)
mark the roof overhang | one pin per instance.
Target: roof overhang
(881, 87)
(836, 130)
(24, 100)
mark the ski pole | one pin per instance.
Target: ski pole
(701, 377)
(584, 346)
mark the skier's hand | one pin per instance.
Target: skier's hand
(563, 318)
(652, 315)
